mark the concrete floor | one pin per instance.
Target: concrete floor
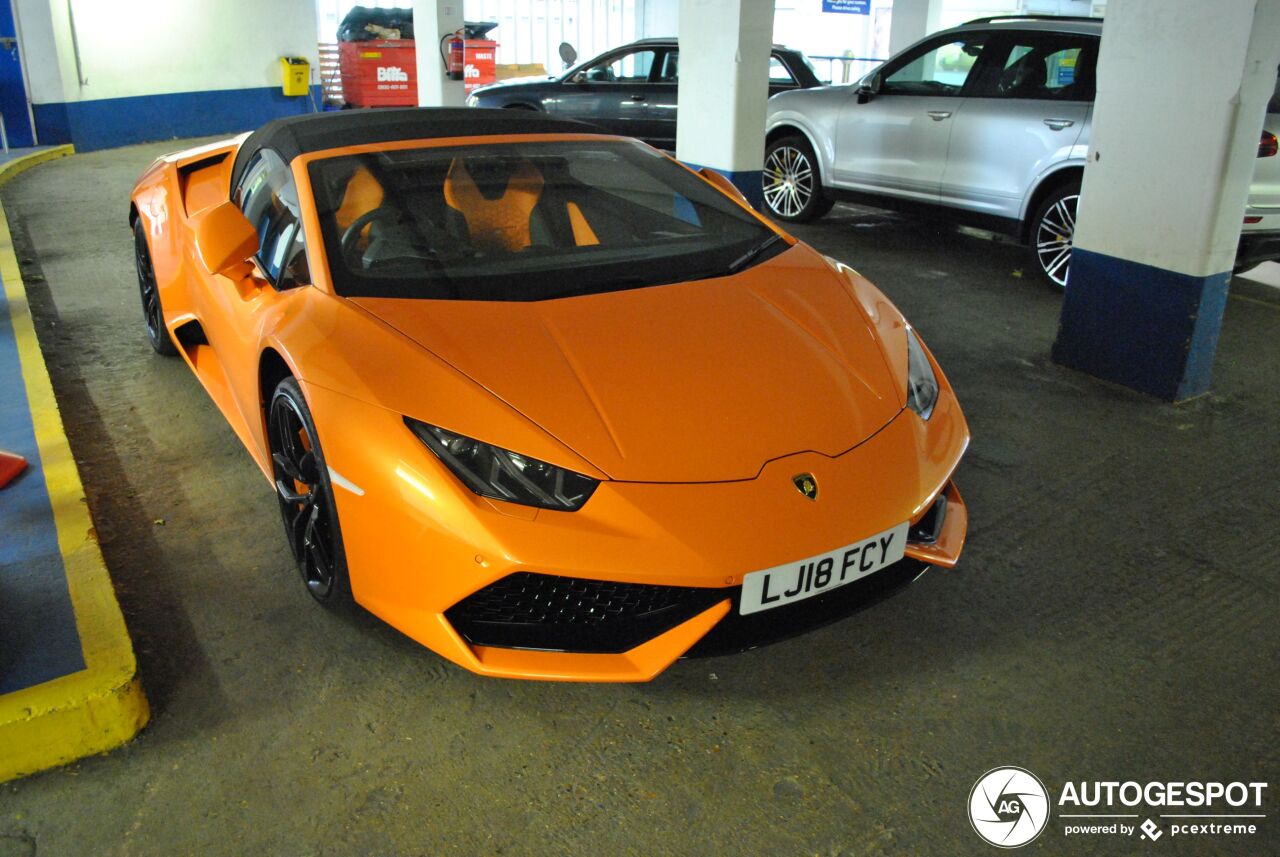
(1114, 616)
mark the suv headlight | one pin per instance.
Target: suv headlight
(922, 384)
(491, 471)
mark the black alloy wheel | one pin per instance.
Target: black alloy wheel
(152, 314)
(305, 493)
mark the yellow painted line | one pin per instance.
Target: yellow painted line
(20, 165)
(102, 706)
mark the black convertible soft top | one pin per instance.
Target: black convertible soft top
(314, 132)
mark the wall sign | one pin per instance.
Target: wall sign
(849, 7)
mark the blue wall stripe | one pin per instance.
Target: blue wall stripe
(1145, 327)
(110, 122)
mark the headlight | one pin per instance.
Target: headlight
(922, 384)
(491, 471)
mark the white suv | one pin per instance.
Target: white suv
(988, 121)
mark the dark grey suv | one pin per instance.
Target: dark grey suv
(629, 90)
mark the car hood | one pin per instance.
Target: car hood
(703, 381)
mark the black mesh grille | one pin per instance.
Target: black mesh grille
(542, 611)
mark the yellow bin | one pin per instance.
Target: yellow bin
(297, 75)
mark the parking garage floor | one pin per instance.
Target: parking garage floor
(1113, 618)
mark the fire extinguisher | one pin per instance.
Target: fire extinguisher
(453, 61)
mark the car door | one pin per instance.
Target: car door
(611, 93)
(1024, 113)
(660, 120)
(233, 309)
(896, 141)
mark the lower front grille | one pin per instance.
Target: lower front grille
(570, 614)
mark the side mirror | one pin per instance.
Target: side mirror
(224, 237)
(723, 184)
(869, 88)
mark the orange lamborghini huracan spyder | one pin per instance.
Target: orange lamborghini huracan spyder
(546, 400)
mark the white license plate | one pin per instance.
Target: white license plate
(796, 581)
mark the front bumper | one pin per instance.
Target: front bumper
(422, 549)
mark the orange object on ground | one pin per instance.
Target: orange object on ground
(11, 464)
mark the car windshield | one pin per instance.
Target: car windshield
(525, 221)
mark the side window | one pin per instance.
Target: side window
(1044, 66)
(269, 200)
(669, 72)
(779, 73)
(632, 67)
(934, 69)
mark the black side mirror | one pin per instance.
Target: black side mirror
(869, 88)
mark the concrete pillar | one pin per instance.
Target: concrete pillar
(724, 84)
(432, 21)
(1174, 145)
(912, 21)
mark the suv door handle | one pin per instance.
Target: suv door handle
(638, 96)
(1059, 124)
(939, 115)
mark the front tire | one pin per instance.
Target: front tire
(152, 312)
(1052, 232)
(792, 189)
(305, 494)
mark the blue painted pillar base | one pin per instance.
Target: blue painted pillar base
(747, 181)
(1141, 326)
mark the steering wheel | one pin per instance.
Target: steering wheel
(351, 235)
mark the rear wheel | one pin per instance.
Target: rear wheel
(152, 313)
(792, 189)
(305, 493)
(1053, 229)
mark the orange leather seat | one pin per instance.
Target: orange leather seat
(361, 195)
(501, 222)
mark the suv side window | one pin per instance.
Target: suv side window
(1056, 66)
(934, 68)
(632, 67)
(669, 71)
(269, 199)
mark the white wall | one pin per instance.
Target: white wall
(148, 47)
(802, 24)
(658, 18)
(531, 32)
(39, 55)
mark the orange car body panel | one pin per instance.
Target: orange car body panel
(814, 380)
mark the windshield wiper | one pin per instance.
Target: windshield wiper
(742, 261)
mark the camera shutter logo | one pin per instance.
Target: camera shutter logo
(1008, 807)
